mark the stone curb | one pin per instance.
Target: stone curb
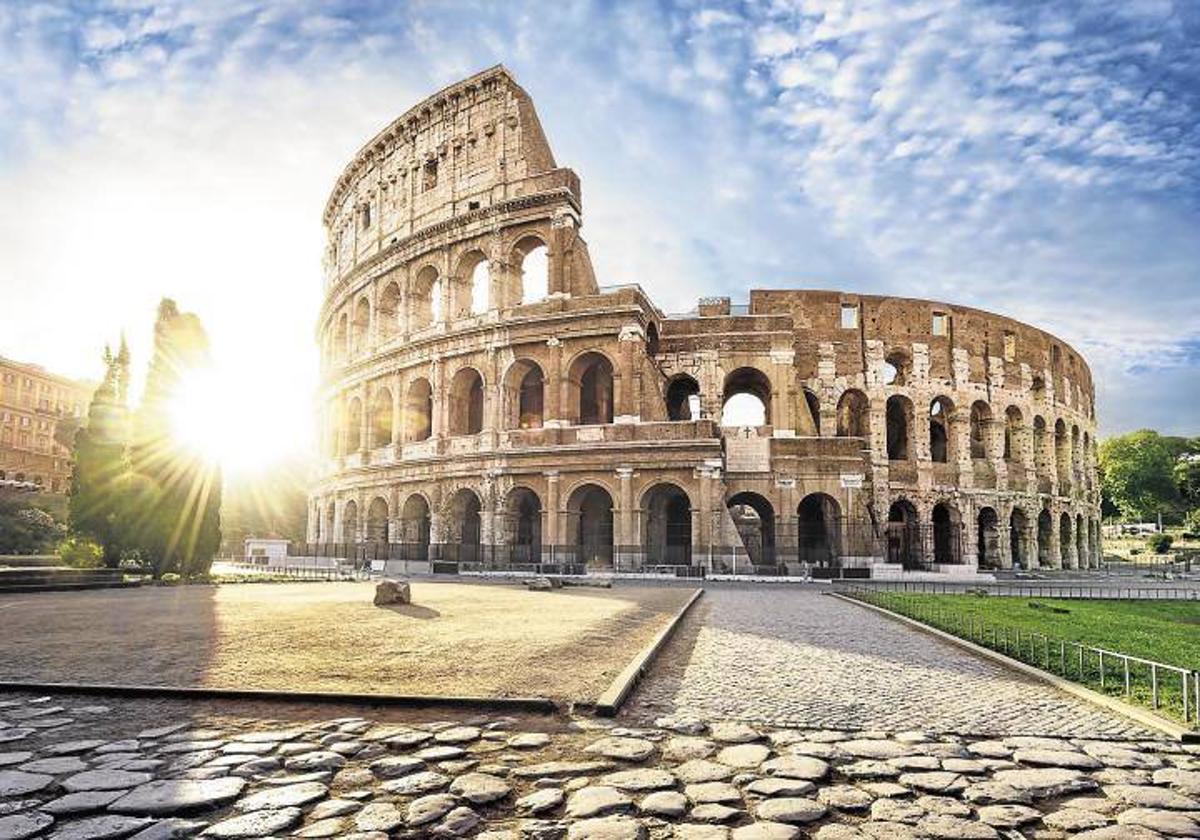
(1145, 718)
(539, 705)
(618, 691)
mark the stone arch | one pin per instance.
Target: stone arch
(981, 419)
(1019, 550)
(350, 522)
(1062, 452)
(1045, 539)
(381, 418)
(651, 339)
(387, 311)
(590, 393)
(947, 534)
(754, 518)
(360, 327)
(818, 527)
(470, 291)
(897, 367)
(354, 441)
(377, 521)
(590, 524)
(328, 534)
(415, 521)
(341, 336)
(854, 414)
(987, 539)
(899, 414)
(1081, 535)
(746, 396)
(531, 259)
(524, 395)
(465, 407)
(464, 525)
(667, 525)
(683, 398)
(1014, 423)
(418, 411)
(522, 524)
(425, 298)
(904, 543)
(811, 419)
(941, 440)
(1065, 543)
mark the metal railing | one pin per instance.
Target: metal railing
(1091, 590)
(1167, 689)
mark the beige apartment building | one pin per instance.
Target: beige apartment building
(33, 402)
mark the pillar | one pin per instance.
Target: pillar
(553, 408)
(551, 528)
(784, 396)
(630, 344)
(624, 515)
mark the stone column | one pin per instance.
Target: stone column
(623, 516)
(783, 379)
(551, 528)
(1056, 558)
(553, 409)
(959, 433)
(630, 342)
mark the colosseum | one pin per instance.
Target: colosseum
(485, 401)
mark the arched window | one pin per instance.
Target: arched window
(464, 526)
(904, 544)
(667, 526)
(746, 398)
(425, 299)
(381, 418)
(414, 527)
(1062, 452)
(1013, 423)
(941, 410)
(988, 539)
(899, 421)
(388, 311)
(683, 398)
(354, 441)
(418, 411)
(981, 419)
(818, 529)
(362, 325)
(481, 280)
(754, 518)
(590, 522)
(466, 403)
(854, 415)
(811, 423)
(896, 367)
(341, 336)
(377, 521)
(350, 523)
(1045, 537)
(533, 259)
(523, 524)
(946, 535)
(524, 395)
(591, 389)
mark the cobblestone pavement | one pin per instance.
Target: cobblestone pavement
(794, 657)
(80, 769)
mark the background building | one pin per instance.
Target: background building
(484, 400)
(39, 412)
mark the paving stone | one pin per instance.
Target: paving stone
(796, 767)
(1008, 816)
(15, 733)
(845, 798)
(105, 780)
(877, 749)
(1170, 823)
(1144, 796)
(1184, 781)
(169, 829)
(894, 810)
(328, 827)
(1074, 819)
(82, 803)
(766, 830)
(18, 783)
(700, 831)
(779, 786)
(686, 748)
(623, 749)
(254, 824)
(945, 827)
(715, 812)
(996, 793)
(480, 788)
(945, 805)
(887, 790)
(384, 816)
(529, 740)
(709, 792)
(541, 800)
(562, 769)
(458, 823)
(1125, 759)
(10, 758)
(733, 732)
(869, 768)
(55, 765)
(316, 760)
(106, 827)
(457, 735)
(426, 781)
(744, 755)
(935, 781)
(1041, 783)
(1118, 832)
(285, 796)
(596, 801)
(683, 724)
(790, 809)
(20, 826)
(429, 809)
(703, 770)
(167, 797)
(333, 808)
(643, 778)
(1056, 758)
(607, 828)
(668, 804)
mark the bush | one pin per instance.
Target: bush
(1160, 543)
(81, 553)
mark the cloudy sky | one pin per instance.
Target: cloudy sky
(1040, 159)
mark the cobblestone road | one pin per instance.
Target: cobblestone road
(794, 657)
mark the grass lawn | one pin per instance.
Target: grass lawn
(1164, 631)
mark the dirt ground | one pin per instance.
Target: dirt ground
(456, 638)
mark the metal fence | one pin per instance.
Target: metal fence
(1092, 590)
(1167, 689)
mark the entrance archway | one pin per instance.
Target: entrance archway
(1018, 540)
(904, 535)
(464, 526)
(946, 535)
(988, 539)
(754, 519)
(667, 526)
(1045, 539)
(818, 529)
(590, 509)
(523, 515)
(414, 528)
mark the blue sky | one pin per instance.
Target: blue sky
(1040, 159)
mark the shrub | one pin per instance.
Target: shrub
(1160, 543)
(80, 553)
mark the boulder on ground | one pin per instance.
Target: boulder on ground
(543, 584)
(391, 591)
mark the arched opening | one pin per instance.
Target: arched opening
(683, 398)
(341, 336)
(523, 523)
(1062, 453)
(1081, 552)
(854, 415)
(350, 522)
(473, 296)
(361, 327)
(946, 535)
(746, 398)
(388, 311)
(466, 403)
(819, 528)
(754, 518)
(1045, 539)
(904, 535)
(987, 549)
(1076, 461)
(811, 422)
(590, 523)
(1018, 540)
(651, 340)
(534, 262)
(896, 367)
(414, 527)
(524, 395)
(667, 526)
(354, 441)
(381, 418)
(590, 381)
(1013, 422)
(941, 410)
(981, 419)
(327, 532)
(464, 526)
(425, 298)
(1065, 543)
(418, 411)
(377, 521)
(899, 421)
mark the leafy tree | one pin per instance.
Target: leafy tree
(175, 494)
(1187, 475)
(1138, 473)
(101, 467)
(25, 529)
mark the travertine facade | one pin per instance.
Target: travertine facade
(473, 398)
(33, 402)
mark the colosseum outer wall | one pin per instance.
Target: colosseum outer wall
(484, 400)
